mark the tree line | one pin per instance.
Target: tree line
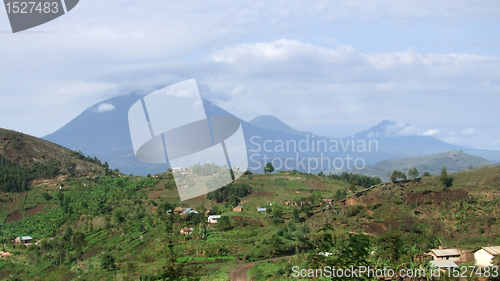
(15, 177)
(364, 181)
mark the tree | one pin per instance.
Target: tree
(224, 223)
(107, 262)
(277, 217)
(413, 173)
(46, 196)
(307, 210)
(296, 213)
(78, 241)
(67, 234)
(269, 168)
(496, 261)
(339, 195)
(397, 176)
(390, 245)
(445, 179)
(351, 251)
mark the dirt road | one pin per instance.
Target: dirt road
(239, 273)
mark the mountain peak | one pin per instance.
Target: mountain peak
(269, 122)
(386, 123)
(388, 129)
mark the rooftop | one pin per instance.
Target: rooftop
(446, 252)
(494, 250)
(443, 263)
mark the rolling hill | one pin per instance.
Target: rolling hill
(28, 151)
(454, 161)
(114, 226)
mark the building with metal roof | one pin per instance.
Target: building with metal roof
(484, 256)
(446, 254)
(443, 264)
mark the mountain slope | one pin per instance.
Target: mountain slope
(106, 135)
(269, 122)
(28, 151)
(399, 139)
(102, 130)
(453, 161)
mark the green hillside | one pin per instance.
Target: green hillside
(454, 161)
(116, 227)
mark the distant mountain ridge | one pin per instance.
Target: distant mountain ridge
(453, 161)
(269, 122)
(105, 134)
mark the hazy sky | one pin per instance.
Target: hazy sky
(329, 67)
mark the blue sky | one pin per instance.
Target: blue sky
(330, 67)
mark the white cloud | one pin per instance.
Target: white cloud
(103, 107)
(400, 128)
(430, 132)
(397, 60)
(468, 132)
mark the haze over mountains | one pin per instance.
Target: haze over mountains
(102, 130)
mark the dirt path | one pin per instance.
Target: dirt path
(239, 273)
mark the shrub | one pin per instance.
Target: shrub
(107, 262)
(355, 210)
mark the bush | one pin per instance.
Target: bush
(223, 223)
(107, 262)
(375, 206)
(46, 196)
(355, 210)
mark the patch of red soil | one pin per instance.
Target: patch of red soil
(38, 208)
(154, 195)
(351, 201)
(437, 197)
(14, 217)
(18, 216)
(368, 200)
(91, 253)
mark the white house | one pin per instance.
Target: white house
(485, 255)
(213, 219)
(23, 239)
(261, 209)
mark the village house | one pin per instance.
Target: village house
(484, 256)
(443, 264)
(178, 210)
(213, 219)
(26, 240)
(238, 209)
(189, 211)
(445, 254)
(186, 231)
(178, 169)
(328, 201)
